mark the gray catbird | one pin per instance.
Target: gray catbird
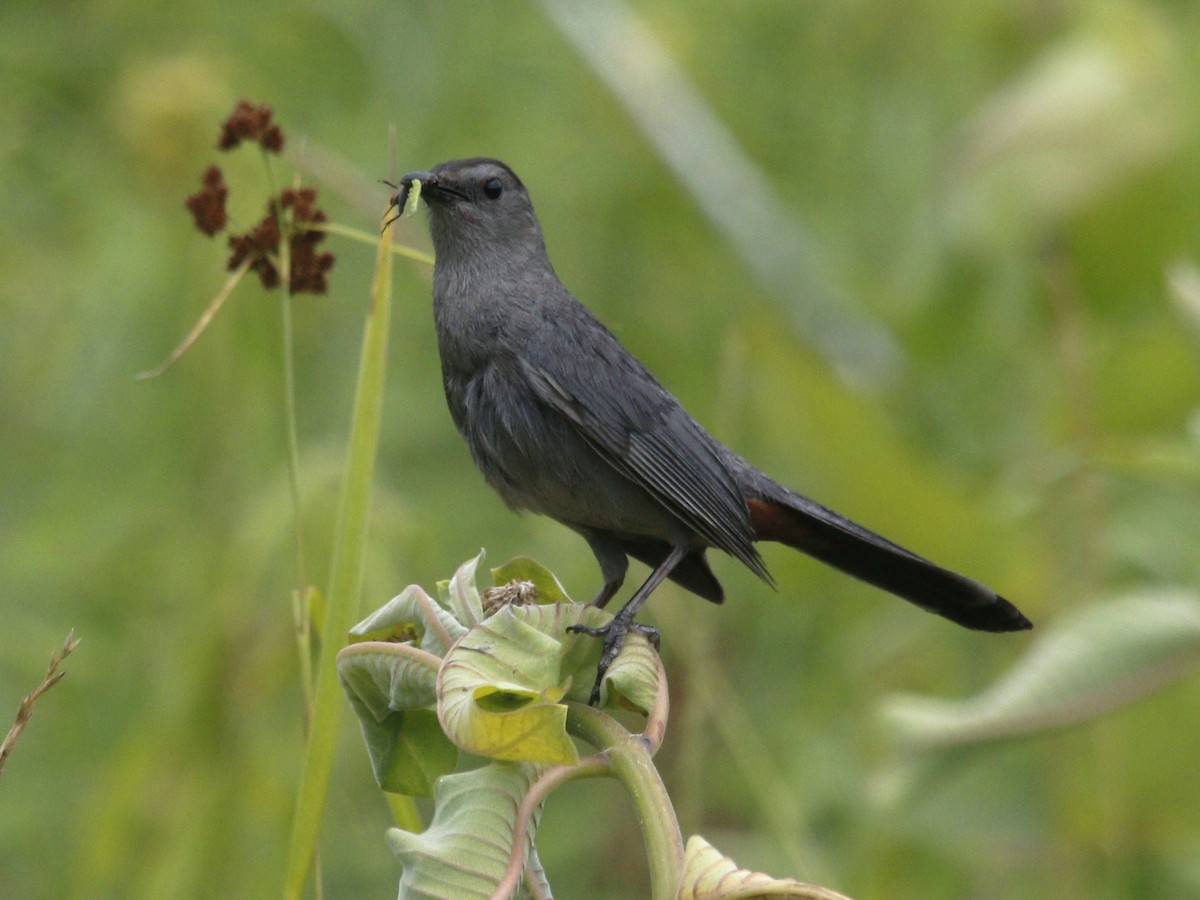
(562, 420)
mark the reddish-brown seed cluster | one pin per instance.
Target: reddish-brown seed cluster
(257, 245)
(252, 123)
(261, 244)
(207, 205)
(293, 210)
(308, 266)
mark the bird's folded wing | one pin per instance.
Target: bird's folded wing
(639, 429)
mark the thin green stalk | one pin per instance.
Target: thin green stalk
(365, 237)
(289, 412)
(302, 618)
(405, 814)
(202, 323)
(300, 610)
(265, 156)
(629, 756)
(345, 584)
(301, 607)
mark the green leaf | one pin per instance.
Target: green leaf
(632, 679)
(386, 677)
(411, 616)
(465, 850)
(707, 875)
(414, 753)
(392, 688)
(1100, 658)
(500, 689)
(524, 568)
(461, 596)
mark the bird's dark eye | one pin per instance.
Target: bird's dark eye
(492, 188)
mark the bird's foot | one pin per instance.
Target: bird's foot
(614, 634)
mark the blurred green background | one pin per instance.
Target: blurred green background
(932, 263)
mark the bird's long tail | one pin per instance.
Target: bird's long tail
(778, 514)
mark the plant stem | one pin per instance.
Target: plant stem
(25, 710)
(629, 756)
(293, 442)
(345, 582)
(301, 611)
(301, 607)
(207, 316)
(365, 237)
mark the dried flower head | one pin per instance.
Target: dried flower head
(252, 123)
(260, 245)
(308, 266)
(207, 205)
(514, 593)
(287, 226)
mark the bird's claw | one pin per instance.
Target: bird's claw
(613, 635)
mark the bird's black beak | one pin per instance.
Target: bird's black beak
(432, 189)
(426, 178)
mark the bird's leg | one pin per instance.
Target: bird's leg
(606, 593)
(615, 632)
(613, 565)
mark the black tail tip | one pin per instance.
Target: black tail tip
(999, 616)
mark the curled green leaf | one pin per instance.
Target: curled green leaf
(503, 687)
(1097, 659)
(465, 850)
(708, 875)
(411, 616)
(462, 596)
(392, 689)
(500, 691)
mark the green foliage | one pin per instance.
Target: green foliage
(1097, 659)
(464, 851)
(393, 690)
(503, 692)
(706, 873)
(1105, 655)
(1010, 192)
(500, 688)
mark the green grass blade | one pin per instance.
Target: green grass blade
(345, 584)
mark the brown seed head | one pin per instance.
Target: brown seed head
(252, 123)
(207, 205)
